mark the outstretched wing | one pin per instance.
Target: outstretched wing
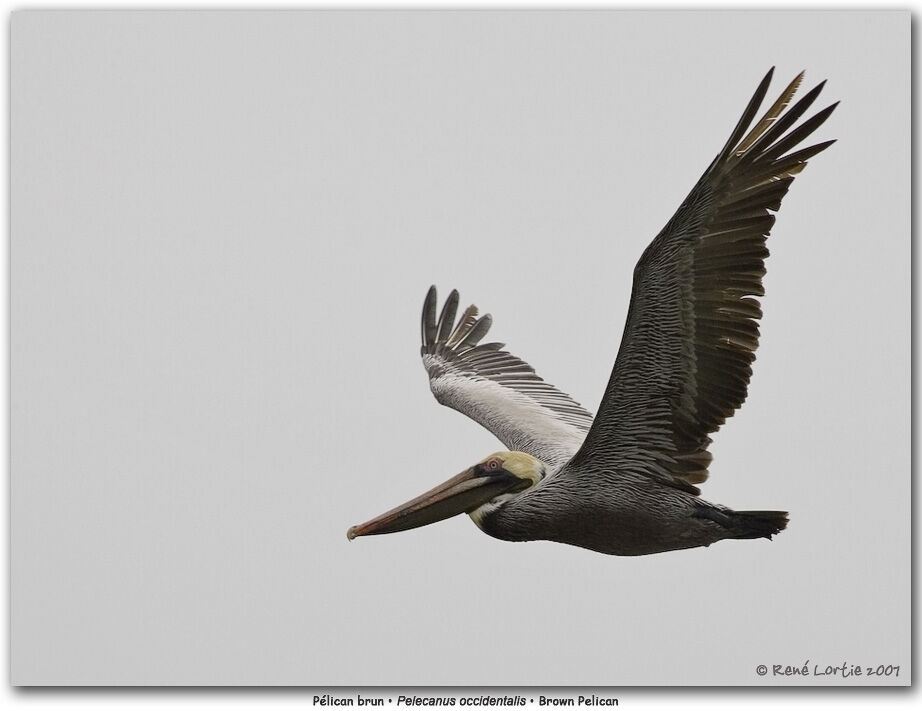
(494, 388)
(692, 326)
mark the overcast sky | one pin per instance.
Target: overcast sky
(223, 228)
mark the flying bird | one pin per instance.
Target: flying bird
(625, 481)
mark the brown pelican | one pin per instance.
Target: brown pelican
(624, 482)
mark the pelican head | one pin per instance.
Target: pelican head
(475, 491)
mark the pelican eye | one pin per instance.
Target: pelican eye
(494, 465)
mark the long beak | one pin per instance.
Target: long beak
(461, 493)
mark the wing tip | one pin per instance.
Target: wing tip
(443, 331)
(776, 126)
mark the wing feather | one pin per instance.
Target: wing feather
(495, 388)
(692, 327)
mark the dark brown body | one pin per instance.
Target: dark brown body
(623, 515)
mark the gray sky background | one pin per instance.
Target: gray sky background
(223, 227)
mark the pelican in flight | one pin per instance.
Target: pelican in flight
(625, 481)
